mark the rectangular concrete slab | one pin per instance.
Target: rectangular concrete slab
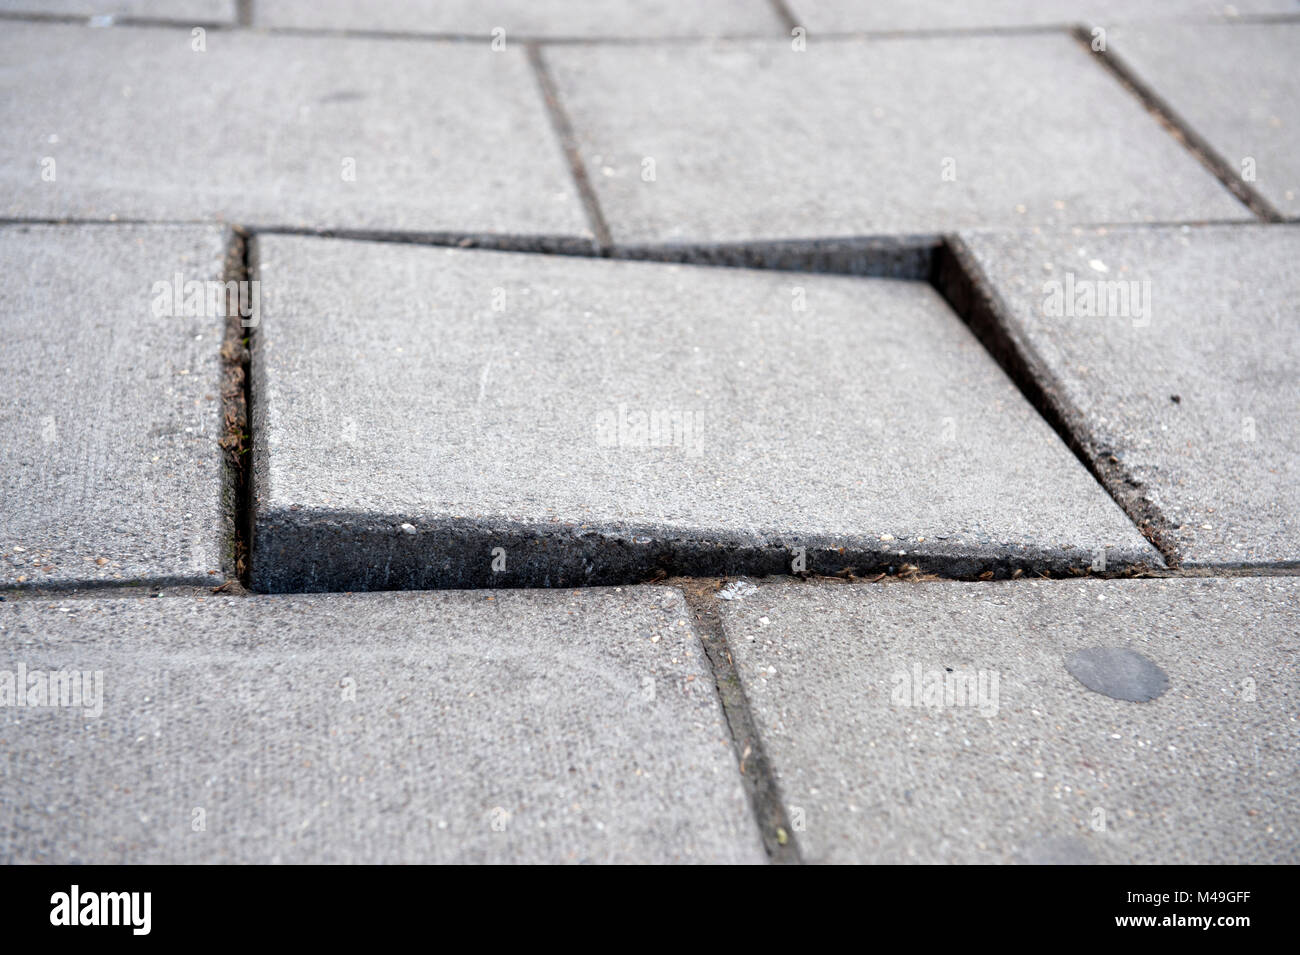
(529, 18)
(284, 131)
(852, 15)
(1237, 87)
(183, 11)
(1173, 356)
(110, 407)
(751, 140)
(466, 727)
(446, 417)
(943, 723)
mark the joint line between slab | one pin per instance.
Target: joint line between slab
(569, 143)
(784, 14)
(236, 418)
(755, 768)
(1181, 130)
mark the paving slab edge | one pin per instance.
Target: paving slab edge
(962, 281)
(315, 550)
(885, 256)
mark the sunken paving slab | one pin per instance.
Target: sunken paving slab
(854, 15)
(751, 140)
(279, 131)
(1237, 87)
(529, 18)
(950, 722)
(431, 417)
(1172, 354)
(393, 728)
(111, 414)
(183, 11)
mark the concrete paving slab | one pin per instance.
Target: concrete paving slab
(110, 419)
(182, 11)
(1173, 354)
(1237, 87)
(394, 728)
(853, 15)
(278, 131)
(753, 140)
(448, 417)
(938, 722)
(530, 18)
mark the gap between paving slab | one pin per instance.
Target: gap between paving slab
(1166, 405)
(784, 14)
(950, 270)
(963, 281)
(868, 256)
(564, 556)
(899, 257)
(958, 278)
(236, 399)
(639, 558)
(755, 769)
(563, 128)
(431, 551)
(1181, 130)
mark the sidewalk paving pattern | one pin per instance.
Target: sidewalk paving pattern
(1174, 354)
(463, 727)
(995, 307)
(110, 417)
(859, 137)
(305, 132)
(1237, 87)
(612, 416)
(884, 757)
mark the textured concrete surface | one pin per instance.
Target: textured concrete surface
(530, 18)
(1238, 87)
(110, 469)
(406, 427)
(849, 15)
(881, 766)
(521, 727)
(279, 131)
(192, 11)
(1191, 391)
(863, 137)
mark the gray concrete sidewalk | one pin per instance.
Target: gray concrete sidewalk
(523, 727)
(725, 383)
(111, 419)
(945, 722)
